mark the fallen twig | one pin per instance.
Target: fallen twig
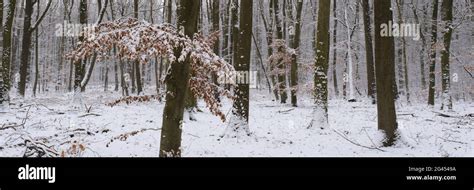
(355, 143)
(10, 126)
(448, 140)
(38, 149)
(446, 115)
(89, 114)
(285, 111)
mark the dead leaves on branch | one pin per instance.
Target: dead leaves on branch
(140, 40)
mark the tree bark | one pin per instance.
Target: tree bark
(269, 37)
(138, 77)
(423, 44)
(35, 84)
(434, 39)
(281, 67)
(334, 50)
(28, 30)
(385, 72)
(403, 51)
(322, 58)
(296, 45)
(25, 47)
(177, 85)
(79, 65)
(447, 18)
(242, 64)
(369, 52)
(6, 53)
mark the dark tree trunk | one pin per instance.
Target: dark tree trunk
(6, 53)
(242, 62)
(281, 67)
(25, 47)
(322, 57)
(269, 35)
(447, 18)
(385, 72)
(234, 33)
(334, 50)
(296, 45)
(369, 52)
(177, 85)
(79, 65)
(37, 57)
(434, 39)
(138, 77)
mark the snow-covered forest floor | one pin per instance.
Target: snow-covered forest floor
(57, 125)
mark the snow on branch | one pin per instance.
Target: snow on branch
(140, 40)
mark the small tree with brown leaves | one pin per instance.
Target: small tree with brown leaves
(139, 40)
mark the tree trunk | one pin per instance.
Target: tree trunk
(423, 45)
(281, 67)
(37, 55)
(215, 27)
(434, 39)
(349, 56)
(447, 18)
(28, 30)
(369, 52)
(334, 50)
(138, 77)
(79, 65)
(177, 85)
(404, 52)
(296, 45)
(242, 65)
(269, 36)
(25, 47)
(6, 53)
(234, 33)
(385, 72)
(322, 60)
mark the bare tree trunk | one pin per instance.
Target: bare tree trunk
(138, 77)
(322, 60)
(369, 52)
(6, 54)
(434, 39)
(447, 18)
(423, 44)
(281, 67)
(28, 29)
(403, 53)
(269, 36)
(385, 72)
(334, 50)
(79, 65)
(242, 65)
(296, 45)
(37, 53)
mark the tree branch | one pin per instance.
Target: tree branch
(42, 17)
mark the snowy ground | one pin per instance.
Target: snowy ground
(63, 126)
